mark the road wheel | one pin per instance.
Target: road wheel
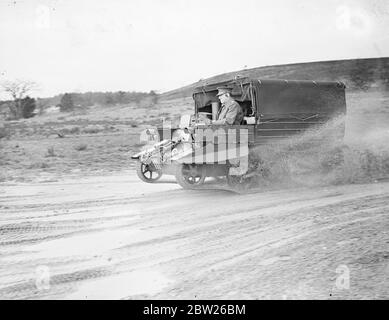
(240, 183)
(190, 176)
(147, 172)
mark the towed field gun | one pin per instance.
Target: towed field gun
(273, 110)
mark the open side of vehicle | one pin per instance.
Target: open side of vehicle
(274, 110)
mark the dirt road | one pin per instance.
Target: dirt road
(115, 237)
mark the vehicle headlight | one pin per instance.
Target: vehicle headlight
(174, 152)
(152, 134)
(149, 136)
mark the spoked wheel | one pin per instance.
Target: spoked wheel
(147, 172)
(240, 183)
(190, 176)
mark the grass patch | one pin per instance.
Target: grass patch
(92, 130)
(81, 147)
(50, 152)
(39, 165)
(3, 132)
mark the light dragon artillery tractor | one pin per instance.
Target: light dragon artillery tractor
(273, 110)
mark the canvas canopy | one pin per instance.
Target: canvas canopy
(280, 98)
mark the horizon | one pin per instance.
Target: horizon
(173, 89)
(147, 45)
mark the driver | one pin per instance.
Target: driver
(231, 112)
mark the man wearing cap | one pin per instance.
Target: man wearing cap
(231, 112)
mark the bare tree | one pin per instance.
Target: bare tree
(18, 89)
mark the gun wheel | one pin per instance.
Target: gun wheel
(147, 172)
(190, 176)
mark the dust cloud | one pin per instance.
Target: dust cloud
(319, 158)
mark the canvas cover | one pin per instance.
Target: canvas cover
(280, 98)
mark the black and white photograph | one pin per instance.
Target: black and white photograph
(184, 150)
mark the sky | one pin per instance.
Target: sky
(143, 45)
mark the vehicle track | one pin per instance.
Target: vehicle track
(194, 244)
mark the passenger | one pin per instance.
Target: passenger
(231, 112)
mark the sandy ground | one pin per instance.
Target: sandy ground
(115, 237)
(72, 227)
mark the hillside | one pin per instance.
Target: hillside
(357, 74)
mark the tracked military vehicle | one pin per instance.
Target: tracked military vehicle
(273, 110)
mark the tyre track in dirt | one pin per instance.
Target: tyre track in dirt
(201, 244)
(258, 242)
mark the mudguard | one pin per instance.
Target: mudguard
(137, 155)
